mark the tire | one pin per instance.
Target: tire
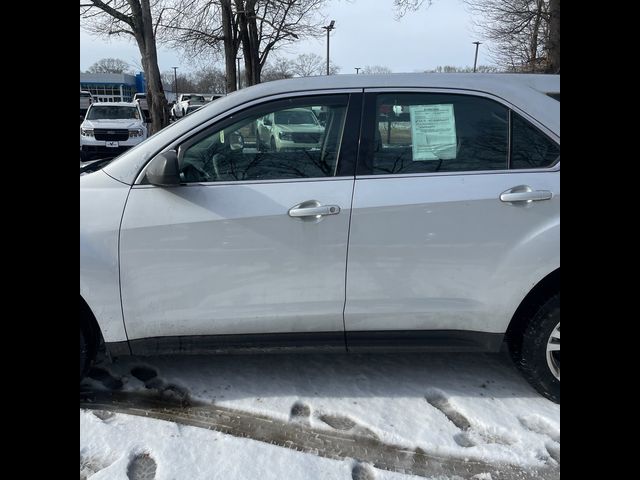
(259, 144)
(272, 145)
(540, 353)
(84, 354)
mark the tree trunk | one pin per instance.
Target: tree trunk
(254, 44)
(554, 37)
(158, 105)
(243, 35)
(230, 45)
(248, 34)
(535, 35)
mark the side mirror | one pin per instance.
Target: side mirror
(164, 170)
(267, 122)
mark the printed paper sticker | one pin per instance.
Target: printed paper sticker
(433, 132)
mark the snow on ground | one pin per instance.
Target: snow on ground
(473, 406)
(110, 448)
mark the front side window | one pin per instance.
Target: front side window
(270, 143)
(112, 112)
(432, 132)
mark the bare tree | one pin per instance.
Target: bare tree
(222, 28)
(209, 80)
(135, 18)
(109, 65)
(186, 83)
(277, 68)
(519, 30)
(374, 69)
(525, 34)
(308, 64)
(553, 45)
(467, 69)
(404, 6)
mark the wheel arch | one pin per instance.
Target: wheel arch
(543, 290)
(90, 327)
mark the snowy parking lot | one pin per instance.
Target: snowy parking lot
(363, 417)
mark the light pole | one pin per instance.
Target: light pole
(357, 70)
(175, 81)
(475, 60)
(238, 73)
(328, 28)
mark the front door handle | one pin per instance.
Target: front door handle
(313, 208)
(525, 194)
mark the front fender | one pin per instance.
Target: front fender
(102, 201)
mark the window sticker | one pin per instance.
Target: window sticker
(433, 132)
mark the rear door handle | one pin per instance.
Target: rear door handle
(313, 208)
(524, 193)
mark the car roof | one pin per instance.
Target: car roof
(473, 81)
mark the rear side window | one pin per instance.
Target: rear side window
(424, 133)
(530, 147)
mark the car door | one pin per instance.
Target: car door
(251, 243)
(455, 217)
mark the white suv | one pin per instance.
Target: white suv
(109, 129)
(444, 190)
(295, 128)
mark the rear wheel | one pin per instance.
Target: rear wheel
(539, 358)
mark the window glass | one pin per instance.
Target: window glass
(423, 133)
(285, 143)
(112, 112)
(530, 147)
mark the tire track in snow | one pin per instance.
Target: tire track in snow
(337, 445)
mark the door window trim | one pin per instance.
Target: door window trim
(369, 108)
(225, 119)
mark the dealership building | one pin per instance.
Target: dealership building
(112, 87)
(116, 87)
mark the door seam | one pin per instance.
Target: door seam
(353, 190)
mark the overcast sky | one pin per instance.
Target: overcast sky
(366, 34)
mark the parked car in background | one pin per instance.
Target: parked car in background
(193, 108)
(185, 100)
(214, 96)
(295, 128)
(443, 188)
(111, 128)
(141, 99)
(85, 102)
